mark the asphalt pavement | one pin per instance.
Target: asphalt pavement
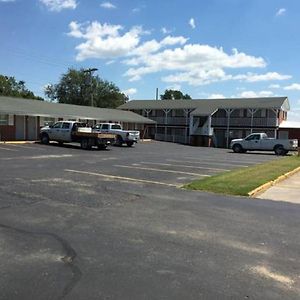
(115, 224)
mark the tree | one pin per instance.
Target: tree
(78, 87)
(174, 95)
(9, 86)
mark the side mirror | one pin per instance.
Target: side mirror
(51, 126)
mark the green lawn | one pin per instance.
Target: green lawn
(244, 180)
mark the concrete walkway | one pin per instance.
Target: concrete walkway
(287, 190)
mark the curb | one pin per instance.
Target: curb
(267, 185)
(146, 140)
(18, 142)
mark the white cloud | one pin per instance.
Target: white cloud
(164, 30)
(293, 87)
(195, 64)
(58, 5)
(201, 64)
(174, 87)
(7, 0)
(104, 41)
(252, 94)
(274, 86)
(110, 62)
(250, 77)
(173, 40)
(137, 9)
(281, 12)
(108, 5)
(149, 47)
(130, 92)
(192, 23)
(216, 96)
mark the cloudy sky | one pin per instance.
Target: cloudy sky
(208, 49)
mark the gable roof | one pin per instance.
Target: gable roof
(20, 106)
(208, 106)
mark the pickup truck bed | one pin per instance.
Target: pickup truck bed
(71, 131)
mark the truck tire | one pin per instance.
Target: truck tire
(84, 143)
(237, 148)
(279, 150)
(119, 141)
(129, 143)
(45, 138)
(102, 147)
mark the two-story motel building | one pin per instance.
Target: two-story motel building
(211, 121)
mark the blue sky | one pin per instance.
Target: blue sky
(208, 49)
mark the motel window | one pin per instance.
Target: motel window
(3, 119)
(47, 121)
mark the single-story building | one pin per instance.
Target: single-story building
(289, 130)
(207, 122)
(21, 119)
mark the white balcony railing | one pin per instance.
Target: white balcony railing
(244, 122)
(170, 120)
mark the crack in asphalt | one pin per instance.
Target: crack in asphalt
(68, 259)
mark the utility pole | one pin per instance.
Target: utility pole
(90, 74)
(156, 94)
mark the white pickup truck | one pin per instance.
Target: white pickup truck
(128, 137)
(71, 131)
(261, 142)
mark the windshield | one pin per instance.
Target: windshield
(116, 126)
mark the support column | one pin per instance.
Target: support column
(147, 111)
(166, 111)
(252, 111)
(277, 122)
(228, 113)
(187, 132)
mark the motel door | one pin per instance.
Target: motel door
(20, 128)
(31, 128)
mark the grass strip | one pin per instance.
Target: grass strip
(242, 181)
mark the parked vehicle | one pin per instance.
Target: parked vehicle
(261, 142)
(71, 131)
(128, 137)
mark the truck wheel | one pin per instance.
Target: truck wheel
(45, 139)
(119, 141)
(129, 143)
(237, 148)
(102, 147)
(279, 150)
(84, 143)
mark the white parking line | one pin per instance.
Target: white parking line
(160, 170)
(182, 166)
(230, 160)
(37, 157)
(26, 147)
(8, 149)
(212, 163)
(120, 178)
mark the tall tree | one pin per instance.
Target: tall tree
(78, 87)
(174, 95)
(9, 86)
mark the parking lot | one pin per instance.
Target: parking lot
(150, 162)
(114, 224)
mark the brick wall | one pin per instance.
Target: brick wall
(7, 133)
